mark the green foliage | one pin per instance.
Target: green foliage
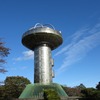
(16, 80)
(98, 86)
(50, 94)
(2, 93)
(75, 91)
(91, 93)
(82, 91)
(13, 87)
(88, 92)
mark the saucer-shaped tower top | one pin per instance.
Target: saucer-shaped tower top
(40, 35)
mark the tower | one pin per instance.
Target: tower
(42, 40)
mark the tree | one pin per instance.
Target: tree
(13, 87)
(2, 93)
(81, 86)
(72, 91)
(3, 53)
(98, 86)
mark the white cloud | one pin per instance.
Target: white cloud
(26, 55)
(79, 34)
(75, 37)
(66, 48)
(83, 41)
(24, 67)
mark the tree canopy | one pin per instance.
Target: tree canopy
(90, 94)
(98, 86)
(13, 87)
(4, 51)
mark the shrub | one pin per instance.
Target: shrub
(50, 94)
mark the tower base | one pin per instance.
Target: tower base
(36, 91)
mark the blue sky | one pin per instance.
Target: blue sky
(77, 60)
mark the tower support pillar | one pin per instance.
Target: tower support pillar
(42, 64)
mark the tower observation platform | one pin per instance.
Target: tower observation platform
(42, 35)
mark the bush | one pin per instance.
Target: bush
(50, 94)
(90, 94)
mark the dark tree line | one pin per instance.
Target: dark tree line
(85, 93)
(13, 87)
(90, 93)
(74, 91)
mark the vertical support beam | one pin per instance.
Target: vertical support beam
(42, 64)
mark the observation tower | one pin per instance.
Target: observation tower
(42, 39)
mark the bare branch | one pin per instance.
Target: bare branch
(3, 53)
